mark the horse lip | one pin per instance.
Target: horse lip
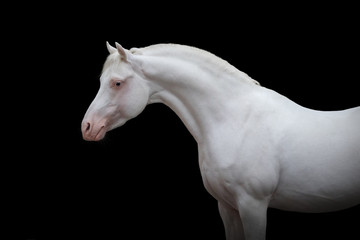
(93, 134)
(100, 134)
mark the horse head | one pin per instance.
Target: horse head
(123, 94)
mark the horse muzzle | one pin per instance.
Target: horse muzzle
(93, 131)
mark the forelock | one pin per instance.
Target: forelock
(112, 59)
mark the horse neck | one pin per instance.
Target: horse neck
(197, 86)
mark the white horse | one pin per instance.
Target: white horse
(257, 149)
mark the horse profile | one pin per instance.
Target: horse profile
(257, 148)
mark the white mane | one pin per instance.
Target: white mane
(172, 49)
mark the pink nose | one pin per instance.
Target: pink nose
(85, 128)
(92, 132)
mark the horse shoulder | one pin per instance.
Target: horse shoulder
(239, 157)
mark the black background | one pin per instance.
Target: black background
(143, 180)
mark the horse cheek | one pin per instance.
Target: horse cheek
(136, 100)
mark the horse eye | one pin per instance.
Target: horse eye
(118, 84)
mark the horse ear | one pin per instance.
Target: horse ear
(110, 48)
(122, 52)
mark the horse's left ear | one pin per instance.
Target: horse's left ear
(122, 51)
(110, 48)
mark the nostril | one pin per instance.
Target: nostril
(86, 127)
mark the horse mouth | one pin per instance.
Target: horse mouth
(93, 133)
(101, 134)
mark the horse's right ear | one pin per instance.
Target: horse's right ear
(110, 48)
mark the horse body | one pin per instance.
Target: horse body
(320, 162)
(256, 147)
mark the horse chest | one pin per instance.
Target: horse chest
(217, 183)
(229, 174)
(223, 176)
